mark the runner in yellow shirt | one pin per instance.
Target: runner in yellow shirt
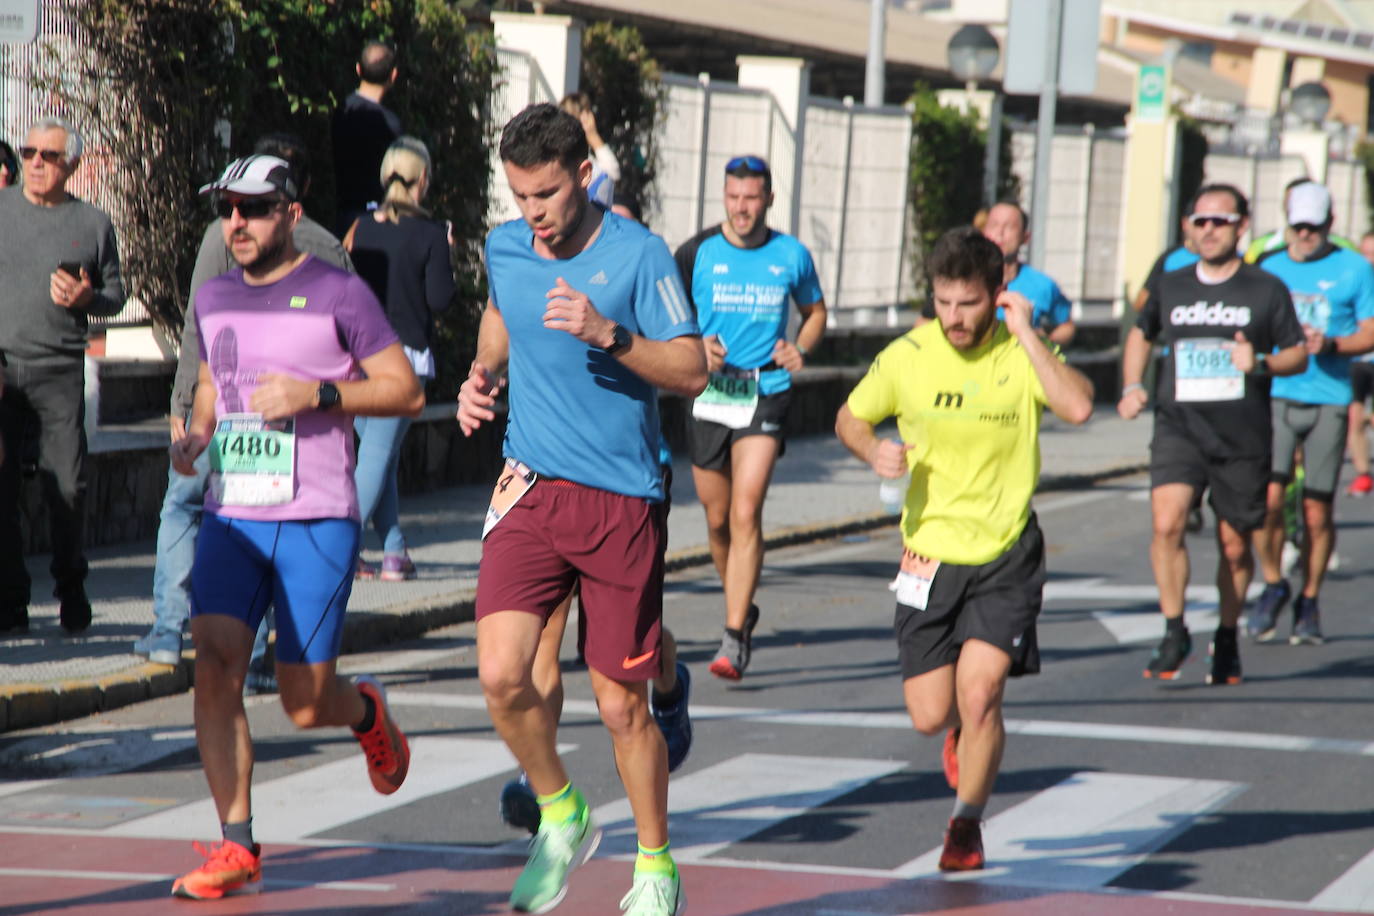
(967, 392)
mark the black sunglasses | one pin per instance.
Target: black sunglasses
(1306, 227)
(753, 163)
(1199, 220)
(248, 207)
(50, 156)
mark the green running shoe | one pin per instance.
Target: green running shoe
(655, 895)
(554, 852)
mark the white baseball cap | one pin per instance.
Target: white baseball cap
(254, 176)
(1309, 203)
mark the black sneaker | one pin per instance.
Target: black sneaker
(1169, 655)
(519, 807)
(676, 722)
(15, 620)
(1225, 659)
(75, 610)
(1307, 625)
(1262, 624)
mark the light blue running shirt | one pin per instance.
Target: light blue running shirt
(741, 295)
(1049, 306)
(575, 411)
(1332, 293)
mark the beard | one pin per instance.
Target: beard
(977, 333)
(265, 258)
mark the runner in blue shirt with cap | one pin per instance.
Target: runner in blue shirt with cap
(1333, 291)
(1008, 226)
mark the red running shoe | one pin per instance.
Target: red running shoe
(963, 845)
(388, 754)
(949, 756)
(229, 869)
(1362, 485)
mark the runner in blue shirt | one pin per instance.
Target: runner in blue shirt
(740, 276)
(1333, 291)
(587, 311)
(1008, 227)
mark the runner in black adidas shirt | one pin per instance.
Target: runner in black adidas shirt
(1228, 326)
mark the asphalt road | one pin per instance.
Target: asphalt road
(806, 792)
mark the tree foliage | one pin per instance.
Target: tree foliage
(627, 95)
(947, 156)
(158, 85)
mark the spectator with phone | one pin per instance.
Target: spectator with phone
(403, 255)
(62, 268)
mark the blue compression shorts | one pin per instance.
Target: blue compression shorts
(304, 568)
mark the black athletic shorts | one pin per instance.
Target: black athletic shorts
(709, 443)
(1361, 381)
(995, 602)
(1236, 487)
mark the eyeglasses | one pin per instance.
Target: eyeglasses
(1311, 228)
(1199, 220)
(50, 156)
(248, 207)
(753, 163)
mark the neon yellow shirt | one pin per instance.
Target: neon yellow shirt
(973, 418)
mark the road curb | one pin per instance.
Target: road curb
(35, 705)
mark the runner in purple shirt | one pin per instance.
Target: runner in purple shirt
(291, 349)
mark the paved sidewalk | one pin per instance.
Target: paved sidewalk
(818, 491)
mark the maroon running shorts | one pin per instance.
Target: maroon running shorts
(561, 533)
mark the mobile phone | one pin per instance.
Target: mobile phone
(71, 269)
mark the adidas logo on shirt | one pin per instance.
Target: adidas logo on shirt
(599, 278)
(1202, 313)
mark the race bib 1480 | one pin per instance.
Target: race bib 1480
(252, 460)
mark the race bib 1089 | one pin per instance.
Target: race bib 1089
(1203, 370)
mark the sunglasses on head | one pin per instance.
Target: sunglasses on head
(1199, 220)
(50, 156)
(248, 207)
(753, 163)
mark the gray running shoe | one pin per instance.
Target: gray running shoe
(1262, 624)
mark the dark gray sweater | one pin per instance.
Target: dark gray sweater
(33, 241)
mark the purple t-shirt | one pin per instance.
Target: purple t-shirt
(315, 323)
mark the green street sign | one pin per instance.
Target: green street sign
(1151, 92)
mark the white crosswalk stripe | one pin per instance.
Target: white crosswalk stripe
(324, 797)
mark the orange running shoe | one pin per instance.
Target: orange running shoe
(949, 756)
(963, 845)
(388, 754)
(229, 869)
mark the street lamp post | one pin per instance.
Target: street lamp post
(973, 54)
(1310, 102)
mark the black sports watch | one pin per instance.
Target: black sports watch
(620, 339)
(327, 396)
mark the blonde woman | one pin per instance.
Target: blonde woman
(403, 254)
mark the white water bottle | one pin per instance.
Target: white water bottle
(892, 492)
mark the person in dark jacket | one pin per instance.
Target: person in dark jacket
(404, 255)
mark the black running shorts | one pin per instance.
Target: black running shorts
(1235, 486)
(995, 602)
(709, 443)
(1361, 381)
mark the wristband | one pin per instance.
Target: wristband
(1133, 386)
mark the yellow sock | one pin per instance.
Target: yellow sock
(563, 805)
(655, 861)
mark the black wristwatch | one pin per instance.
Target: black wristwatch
(620, 339)
(327, 396)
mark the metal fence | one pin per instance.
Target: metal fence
(1087, 186)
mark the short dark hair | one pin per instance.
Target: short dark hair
(629, 202)
(966, 254)
(1025, 217)
(1242, 205)
(751, 167)
(376, 62)
(544, 133)
(291, 148)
